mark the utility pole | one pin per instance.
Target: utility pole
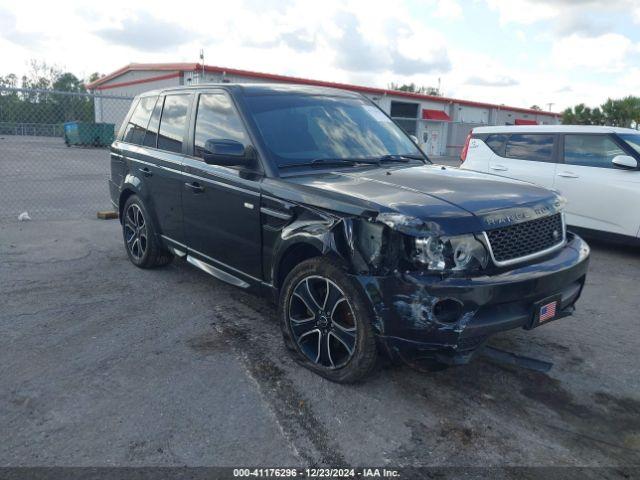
(202, 62)
(550, 104)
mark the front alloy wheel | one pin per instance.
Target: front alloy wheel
(322, 322)
(326, 321)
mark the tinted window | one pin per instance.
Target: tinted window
(137, 125)
(631, 139)
(537, 148)
(590, 150)
(300, 128)
(217, 120)
(151, 137)
(497, 143)
(173, 123)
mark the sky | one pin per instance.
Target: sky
(513, 52)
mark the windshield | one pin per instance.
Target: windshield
(632, 139)
(298, 129)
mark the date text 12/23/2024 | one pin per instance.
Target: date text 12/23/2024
(315, 473)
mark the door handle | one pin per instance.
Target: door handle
(146, 172)
(568, 175)
(499, 168)
(195, 187)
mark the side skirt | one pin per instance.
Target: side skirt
(216, 272)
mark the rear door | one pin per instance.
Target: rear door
(600, 196)
(163, 144)
(221, 204)
(527, 156)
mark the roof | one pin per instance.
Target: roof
(554, 129)
(176, 70)
(261, 88)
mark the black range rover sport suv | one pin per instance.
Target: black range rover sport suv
(317, 199)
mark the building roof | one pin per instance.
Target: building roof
(554, 129)
(176, 70)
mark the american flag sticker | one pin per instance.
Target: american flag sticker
(548, 311)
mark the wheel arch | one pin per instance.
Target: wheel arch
(293, 255)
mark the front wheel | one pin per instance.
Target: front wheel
(326, 322)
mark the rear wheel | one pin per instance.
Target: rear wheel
(326, 322)
(140, 239)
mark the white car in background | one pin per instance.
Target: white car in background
(597, 169)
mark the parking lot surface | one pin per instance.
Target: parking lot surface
(102, 363)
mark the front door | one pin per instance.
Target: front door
(221, 204)
(599, 195)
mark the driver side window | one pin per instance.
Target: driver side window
(217, 120)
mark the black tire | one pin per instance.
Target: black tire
(140, 236)
(349, 323)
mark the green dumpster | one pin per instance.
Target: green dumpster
(85, 133)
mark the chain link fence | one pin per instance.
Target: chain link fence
(54, 158)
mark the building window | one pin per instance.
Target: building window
(406, 116)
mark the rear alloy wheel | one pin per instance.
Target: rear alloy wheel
(326, 321)
(140, 240)
(135, 232)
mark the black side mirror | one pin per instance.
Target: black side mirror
(225, 152)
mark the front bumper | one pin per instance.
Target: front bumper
(409, 329)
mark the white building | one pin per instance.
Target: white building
(440, 123)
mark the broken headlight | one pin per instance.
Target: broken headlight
(463, 253)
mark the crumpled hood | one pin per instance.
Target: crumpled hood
(446, 199)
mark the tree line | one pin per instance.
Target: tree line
(42, 104)
(623, 112)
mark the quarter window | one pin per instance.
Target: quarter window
(137, 125)
(590, 150)
(217, 120)
(173, 123)
(497, 143)
(537, 148)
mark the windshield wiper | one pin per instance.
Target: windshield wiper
(404, 157)
(353, 161)
(321, 162)
(331, 162)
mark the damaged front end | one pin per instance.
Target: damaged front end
(436, 295)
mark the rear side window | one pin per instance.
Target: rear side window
(151, 136)
(173, 123)
(497, 143)
(217, 120)
(537, 148)
(590, 150)
(136, 128)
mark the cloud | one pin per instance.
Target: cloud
(448, 9)
(355, 52)
(299, 40)
(147, 33)
(9, 31)
(605, 53)
(566, 17)
(492, 82)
